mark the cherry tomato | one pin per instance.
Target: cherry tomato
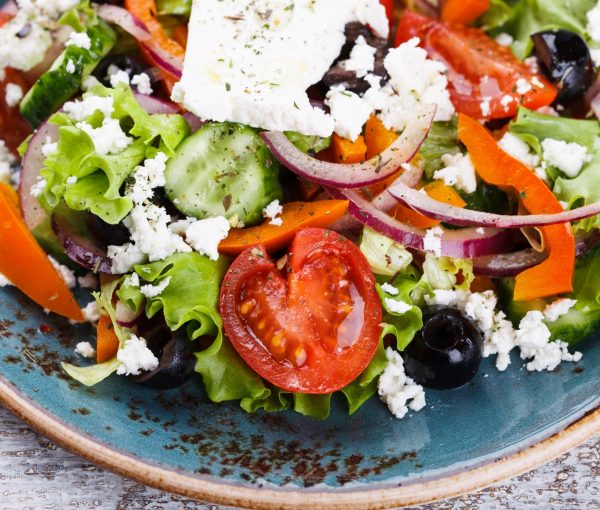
(485, 80)
(311, 326)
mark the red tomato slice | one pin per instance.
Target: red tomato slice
(313, 326)
(485, 80)
(389, 9)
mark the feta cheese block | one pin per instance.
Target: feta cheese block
(251, 61)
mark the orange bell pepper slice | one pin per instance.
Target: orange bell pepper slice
(295, 216)
(107, 343)
(27, 266)
(377, 137)
(464, 11)
(348, 152)
(555, 274)
(436, 190)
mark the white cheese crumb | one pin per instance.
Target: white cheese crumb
(506, 100)
(38, 188)
(485, 108)
(593, 22)
(88, 281)
(520, 150)
(85, 350)
(204, 236)
(109, 138)
(71, 180)
(70, 68)
(389, 289)
(89, 82)
(67, 275)
(362, 58)
(79, 39)
(147, 177)
(480, 230)
(458, 171)
(399, 307)
(569, 158)
(272, 211)
(49, 147)
(135, 357)
(504, 39)
(398, 391)
(119, 76)
(81, 110)
(142, 82)
(14, 94)
(152, 291)
(595, 53)
(558, 308)
(349, 112)
(4, 281)
(433, 240)
(522, 86)
(91, 312)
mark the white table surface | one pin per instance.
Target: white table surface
(36, 474)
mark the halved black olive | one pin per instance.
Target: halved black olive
(446, 352)
(128, 63)
(566, 61)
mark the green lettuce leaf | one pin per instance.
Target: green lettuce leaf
(442, 139)
(534, 127)
(307, 143)
(100, 178)
(385, 256)
(174, 7)
(521, 18)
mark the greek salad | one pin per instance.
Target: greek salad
(286, 199)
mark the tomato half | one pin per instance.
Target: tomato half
(485, 80)
(312, 326)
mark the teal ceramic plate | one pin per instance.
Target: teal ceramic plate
(498, 426)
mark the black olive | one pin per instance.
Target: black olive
(566, 61)
(446, 352)
(175, 353)
(105, 233)
(128, 63)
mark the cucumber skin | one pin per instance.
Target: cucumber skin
(57, 85)
(223, 169)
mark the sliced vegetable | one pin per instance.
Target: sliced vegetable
(554, 275)
(356, 175)
(348, 152)
(295, 216)
(464, 11)
(107, 343)
(377, 137)
(27, 266)
(485, 79)
(265, 313)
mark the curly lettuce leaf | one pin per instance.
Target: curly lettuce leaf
(442, 139)
(534, 128)
(521, 18)
(385, 256)
(100, 178)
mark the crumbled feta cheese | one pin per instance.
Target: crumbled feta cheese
(414, 79)
(89, 82)
(71, 180)
(399, 307)
(506, 100)
(433, 240)
(522, 86)
(86, 107)
(85, 350)
(89, 281)
(152, 291)
(79, 39)
(4, 281)
(125, 257)
(259, 57)
(204, 236)
(70, 68)
(272, 211)
(142, 82)
(504, 39)
(147, 177)
(398, 391)
(595, 53)
(119, 76)
(389, 289)
(519, 150)
(23, 52)
(133, 280)
(49, 147)
(458, 171)
(536, 82)
(135, 357)
(38, 188)
(109, 138)
(67, 275)
(485, 107)
(235, 222)
(91, 312)
(593, 22)
(362, 58)
(532, 63)
(480, 231)
(448, 297)
(13, 94)
(558, 308)
(569, 158)
(6, 162)
(349, 112)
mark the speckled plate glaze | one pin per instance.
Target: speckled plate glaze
(499, 425)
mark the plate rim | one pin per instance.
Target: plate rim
(184, 484)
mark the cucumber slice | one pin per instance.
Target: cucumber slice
(223, 169)
(64, 78)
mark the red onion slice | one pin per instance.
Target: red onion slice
(360, 174)
(431, 208)
(155, 105)
(465, 243)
